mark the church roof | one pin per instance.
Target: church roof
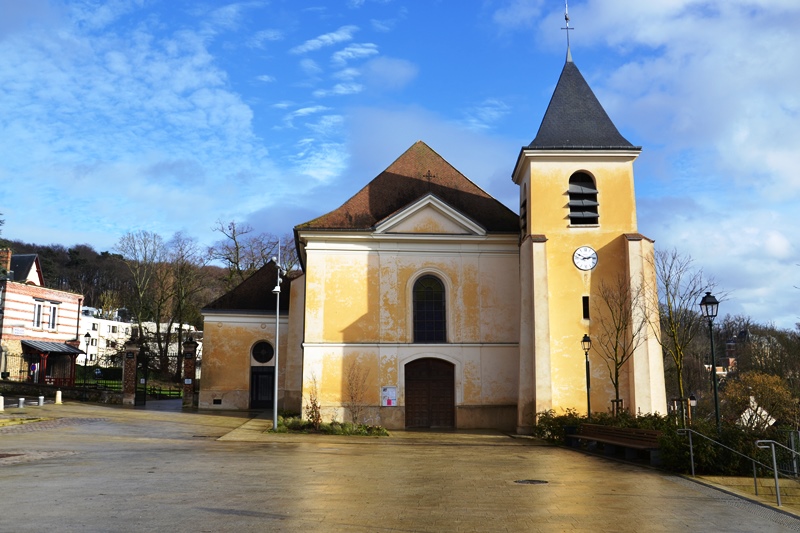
(575, 120)
(416, 173)
(255, 293)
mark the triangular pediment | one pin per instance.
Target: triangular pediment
(430, 215)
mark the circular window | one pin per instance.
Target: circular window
(263, 352)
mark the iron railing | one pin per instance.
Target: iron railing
(763, 444)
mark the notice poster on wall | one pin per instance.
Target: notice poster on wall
(388, 396)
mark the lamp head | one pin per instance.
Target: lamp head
(709, 306)
(277, 289)
(586, 342)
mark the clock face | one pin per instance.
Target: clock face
(584, 258)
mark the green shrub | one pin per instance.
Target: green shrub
(709, 458)
(298, 425)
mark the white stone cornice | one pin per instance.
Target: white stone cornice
(431, 201)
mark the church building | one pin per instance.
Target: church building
(424, 302)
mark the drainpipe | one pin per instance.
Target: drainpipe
(78, 326)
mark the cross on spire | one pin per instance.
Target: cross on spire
(567, 28)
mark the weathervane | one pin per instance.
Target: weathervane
(566, 19)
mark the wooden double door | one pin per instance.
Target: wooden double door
(430, 394)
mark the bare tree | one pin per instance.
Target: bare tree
(243, 251)
(189, 280)
(142, 251)
(621, 324)
(355, 389)
(164, 279)
(680, 288)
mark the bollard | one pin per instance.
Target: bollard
(2, 403)
(41, 400)
(58, 397)
(21, 403)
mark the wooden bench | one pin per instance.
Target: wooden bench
(632, 441)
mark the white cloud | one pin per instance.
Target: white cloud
(518, 14)
(389, 73)
(260, 38)
(347, 74)
(343, 34)
(310, 67)
(340, 89)
(288, 119)
(266, 78)
(354, 51)
(484, 115)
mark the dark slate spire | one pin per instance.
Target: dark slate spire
(575, 120)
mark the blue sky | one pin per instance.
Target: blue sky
(170, 115)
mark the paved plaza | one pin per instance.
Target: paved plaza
(100, 468)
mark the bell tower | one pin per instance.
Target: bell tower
(578, 233)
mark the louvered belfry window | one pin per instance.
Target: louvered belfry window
(582, 200)
(429, 310)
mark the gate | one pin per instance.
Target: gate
(142, 372)
(262, 387)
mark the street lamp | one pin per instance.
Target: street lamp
(277, 292)
(710, 306)
(586, 344)
(86, 338)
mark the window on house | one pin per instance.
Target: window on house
(429, 310)
(582, 200)
(94, 342)
(113, 329)
(37, 315)
(523, 217)
(586, 308)
(53, 322)
(94, 326)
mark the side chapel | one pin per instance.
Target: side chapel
(453, 310)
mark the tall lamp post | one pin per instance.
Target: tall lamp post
(586, 344)
(710, 306)
(277, 292)
(86, 338)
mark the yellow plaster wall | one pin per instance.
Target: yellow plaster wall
(362, 297)
(366, 315)
(546, 180)
(227, 342)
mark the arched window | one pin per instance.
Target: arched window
(582, 199)
(429, 310)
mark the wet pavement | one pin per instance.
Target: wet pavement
(103, 468)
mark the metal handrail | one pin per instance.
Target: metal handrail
(689, 432)
(764, 444)
(759, 443)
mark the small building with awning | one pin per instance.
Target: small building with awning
(49, 363)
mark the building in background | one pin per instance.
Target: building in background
(39, 327)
